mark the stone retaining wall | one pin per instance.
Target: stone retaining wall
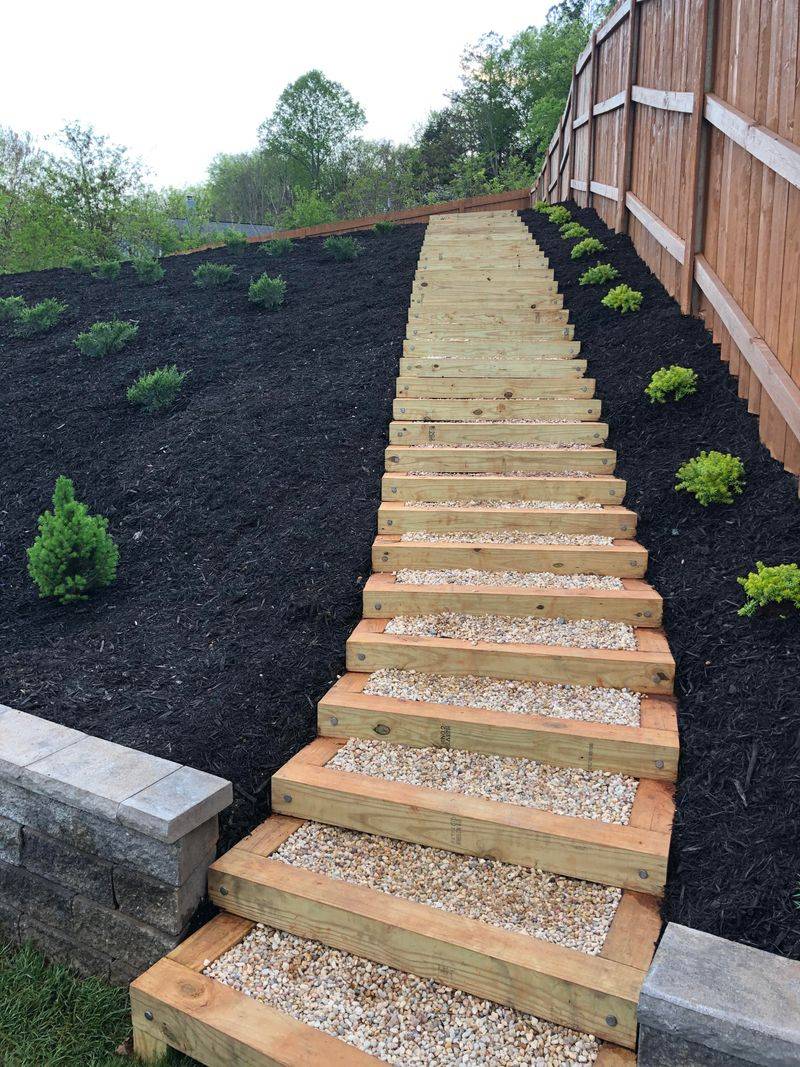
(103, 849)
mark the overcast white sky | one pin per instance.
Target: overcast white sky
(178, 82)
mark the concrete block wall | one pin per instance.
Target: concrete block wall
(103, 849)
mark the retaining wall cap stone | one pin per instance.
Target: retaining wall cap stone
(729, 997)
(172, 806)
(25, 738)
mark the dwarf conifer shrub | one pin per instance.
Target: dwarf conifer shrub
(771, 585)
(342, 248)
(278, 246)
(147, 271)
(385, 226)
(558, 214)
(671, 382)
(104, 337)
(107, 269)
(210, 274)
(74, 554)
(267, 292)
(599, 274)
(79, 263)
(541, 206)
(712, 477)
(587, 247)
(38, 318)
(571, 231)
(158, 389)
(623, 299)
(11, 307)
(235, 239)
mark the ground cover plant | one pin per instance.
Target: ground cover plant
(558, 214)
(622, 299)
(712, 477)
(38, 318)
(81, 264)
(209, 274)
(234, 239)
(148, 271)
(599, 274)
(158, 389)
(384, 226)
(587, 247)
(278, 246)
(735, 851)
(107, 269)
(671, 383)
(570, 231)
(11, 307)
(104, 337)
(267, 293)
(342, 249)
(244, 513)
(766, 586)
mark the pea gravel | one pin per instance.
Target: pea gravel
(531, 475)
(538, 580)
(582, 703)
(563, 911)
(397, 1017)
(574, 446)
(598, 795)
(506, 537)
(509, 505)
(505, 629)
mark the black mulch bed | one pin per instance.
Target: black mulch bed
(244, 515)
(735, 862)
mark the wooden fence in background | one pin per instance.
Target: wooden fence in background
(680, 129)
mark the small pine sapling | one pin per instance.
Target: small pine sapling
(107, 269)
(104, 337)
(278, 246)
(147, 271)
(74, 554)
(157, 390)
(623, 299)
(541, 206)
(712, 477)
(209, 274)
(587, 247)
(571, 231)
(384, 226)
(234, 239)
(11, 307)
(38, 318)
(81, 264)
(671, 382)
(771, 585)
(558, 214)
(599, 274)
(342, 249)
(267, 292)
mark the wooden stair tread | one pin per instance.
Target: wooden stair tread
(396, 517)
(475, 458)
(425, 409)
(600, 489)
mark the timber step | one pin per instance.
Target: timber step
(648, 669)
(637, 603)
(649, 750)
(527, 329)
(545, 299)
(598, 489)
(631, 857)
(476, 460)
(497, 410)
(396, 518)
(483, 314)
(621, 559)
(496, 388)
(460, 344)
(526, 973)
(483, 365)
(465, 433)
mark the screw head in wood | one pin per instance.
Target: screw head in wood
(612, 492)
(378, 607)
(382, 729)
(390, 522)
(644, 875)
(394, 459)
(660, 764)
(394, 488)
(223, 892)
(402, 411)
(334, 721)
(149, 1016)
(611, 1020)
(362, 656)
(384, 558)
(287, 798)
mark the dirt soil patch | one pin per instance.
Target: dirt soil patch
(735, 863)
(244, 515)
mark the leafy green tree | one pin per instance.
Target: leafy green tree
(308, 209)
(249, 186)
(486, 102)
(313, 119)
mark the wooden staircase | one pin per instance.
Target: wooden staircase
(496, 464)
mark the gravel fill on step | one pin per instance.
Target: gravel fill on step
(494, 422)
(564, 911)
(598, 795)
(530, 475)
(507, 537)
(507, 505)
(540, 580)
(505, 629)
(397, 1017)
(539, 446)
(580, 702)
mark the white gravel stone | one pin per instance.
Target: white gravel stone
(531, 475)
(563, 911)
(539, 580)
(508, 505)
(505, 629)
(579, 702)
(534, 445)
(494, 422)
(397, 1017)
(598, 795)
(506, 537)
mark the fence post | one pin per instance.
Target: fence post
(590, 122)
(698, 161)
(570, 115)
(626, 140)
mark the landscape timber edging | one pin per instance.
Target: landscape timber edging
(708, 1002)
(103, 849)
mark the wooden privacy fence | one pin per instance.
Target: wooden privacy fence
(680, 128)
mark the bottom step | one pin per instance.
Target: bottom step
(175, 1005)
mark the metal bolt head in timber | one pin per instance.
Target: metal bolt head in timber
(648, 614)
(287, 798)
(394, 488)
(660, 764)
(402, 411)
(385, 557)
(333, 720)
(390, 522)
(623, 527)
(362, 656)
(149, 1016)
(644, 875)
(394, 459)
(611, 1020)
(508, 394)
(378, 606)
(612, 492)
(223, 892)
(382, 729)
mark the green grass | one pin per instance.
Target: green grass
(51, 1018)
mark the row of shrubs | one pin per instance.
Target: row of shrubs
(711, 477)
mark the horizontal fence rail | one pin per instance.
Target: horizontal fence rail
(680, 130)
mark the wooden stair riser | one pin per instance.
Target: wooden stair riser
(420, 433)
(483, 367)
(461, 345)
(476, 460)
(624, 559)
(495, 388)
(397, 519)
(431, 314)
(431, 410)
(496, 333)
(384, 598)
(543, 302)
(598, 489)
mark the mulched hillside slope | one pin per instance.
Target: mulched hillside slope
(244, 515)
(735, 864)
